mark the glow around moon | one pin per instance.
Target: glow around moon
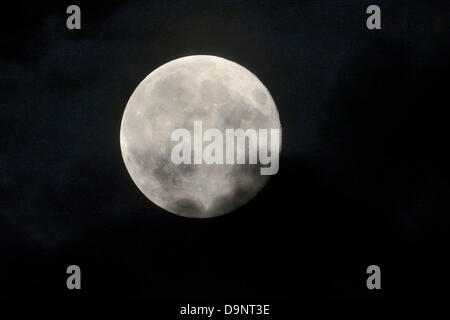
(219, 93)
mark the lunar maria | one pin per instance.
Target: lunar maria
(235, 144)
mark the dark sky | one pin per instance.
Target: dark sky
(364, 176)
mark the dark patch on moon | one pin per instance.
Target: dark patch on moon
(189, 207)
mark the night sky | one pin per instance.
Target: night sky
(364, 171)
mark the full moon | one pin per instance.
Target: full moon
(219, 93)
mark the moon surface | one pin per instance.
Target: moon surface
(220, 93)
